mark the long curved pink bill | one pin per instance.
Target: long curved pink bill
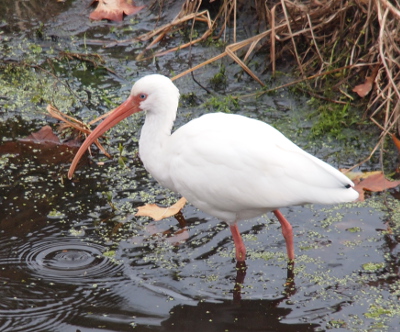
(127, 108)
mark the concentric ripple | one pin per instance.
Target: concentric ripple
(69, 262)
(46, 281)
(35, 307)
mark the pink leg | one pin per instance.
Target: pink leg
(239, 245)
(287, 234)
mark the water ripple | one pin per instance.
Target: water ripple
(66, 261)
(35, 307)
(47, 281)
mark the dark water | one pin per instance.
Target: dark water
(73, 256)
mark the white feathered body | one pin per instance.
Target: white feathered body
(235, 168)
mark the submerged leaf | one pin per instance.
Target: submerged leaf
(114, 10)
(174, 238)
(45, 134)
(43, 146)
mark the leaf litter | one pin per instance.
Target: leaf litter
(114, 10)
(44, 146)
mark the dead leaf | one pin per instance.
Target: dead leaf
(159, 213)
(180, 236)
(44, 135)
(113, 10)
(372, 181)
(363, 89)
(42, 146)
(396, 142)
(378, 182)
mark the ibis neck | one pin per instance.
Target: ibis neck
(154, 138)
(157, 126)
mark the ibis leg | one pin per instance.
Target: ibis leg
(239, 245)
(287, 234)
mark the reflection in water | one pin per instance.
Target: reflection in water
(176, 239)
(249, 315)
(239, 281)
(241, 268)
(290, 288)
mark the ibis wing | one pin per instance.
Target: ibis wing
(240, 164)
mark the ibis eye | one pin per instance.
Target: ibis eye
(142, 96)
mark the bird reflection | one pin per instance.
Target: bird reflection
(241, 269)
(239, 281)
(182, 234)
(238, 314)
(290, 288)
(242, 315)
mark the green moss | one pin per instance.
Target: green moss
(331, 119)
(219, 80)
(225, 104)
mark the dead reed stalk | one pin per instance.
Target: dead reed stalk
(346, 47)
(357, 40)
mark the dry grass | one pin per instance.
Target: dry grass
(346, 51)
(343, 45)
(81, 128)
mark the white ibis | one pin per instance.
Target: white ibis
(229, 166)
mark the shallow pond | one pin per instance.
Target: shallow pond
(73, 256)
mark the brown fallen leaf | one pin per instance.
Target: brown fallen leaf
(42, 146)
(45, 135)
(180, 236)
(159, 213)
(363, 89)
(396, 142)
(113, 10)
(372, 181)
(378, 182)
